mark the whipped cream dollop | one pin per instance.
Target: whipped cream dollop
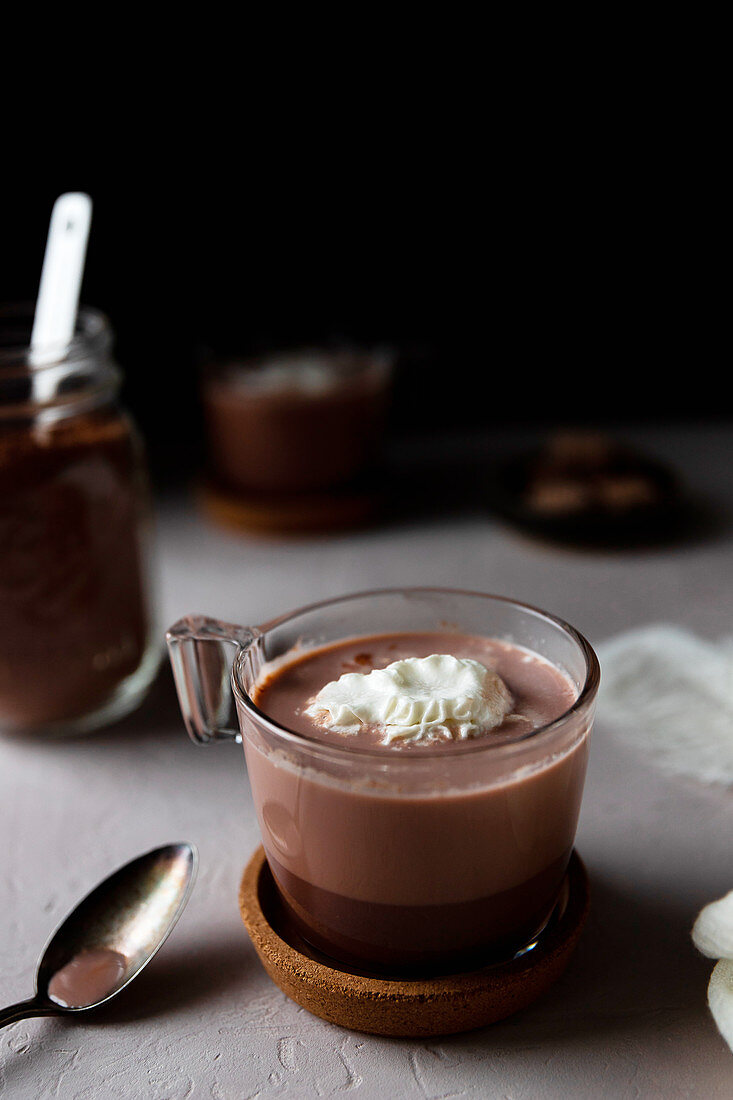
(440, 697)
(305, 374)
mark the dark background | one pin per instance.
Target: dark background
(530, 305)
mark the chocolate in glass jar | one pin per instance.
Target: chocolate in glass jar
(76, 642)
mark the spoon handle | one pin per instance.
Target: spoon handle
(23, 1010)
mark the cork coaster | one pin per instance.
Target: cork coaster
(286, 514)
(406, 1007)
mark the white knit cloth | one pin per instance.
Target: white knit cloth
(670, 693)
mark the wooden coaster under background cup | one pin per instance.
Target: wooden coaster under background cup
(289, 514)
(407, 1007)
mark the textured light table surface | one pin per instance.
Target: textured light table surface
(628, 1019)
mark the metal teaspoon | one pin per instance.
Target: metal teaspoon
(111, 935)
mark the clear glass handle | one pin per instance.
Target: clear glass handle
(201, 653)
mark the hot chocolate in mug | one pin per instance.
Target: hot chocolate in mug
(403, 857)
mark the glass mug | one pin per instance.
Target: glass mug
(406, 862)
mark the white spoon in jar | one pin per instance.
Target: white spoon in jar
(57, 304)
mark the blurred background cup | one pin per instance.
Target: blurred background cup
(301, 421)
(78, 647)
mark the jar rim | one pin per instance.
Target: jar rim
(92, 336)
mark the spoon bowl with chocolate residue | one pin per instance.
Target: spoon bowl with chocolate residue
(111, 935)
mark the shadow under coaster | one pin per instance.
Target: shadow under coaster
(406, 1007)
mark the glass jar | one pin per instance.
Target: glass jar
(78, 648)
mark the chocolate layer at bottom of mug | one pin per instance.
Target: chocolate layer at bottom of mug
(416, 940)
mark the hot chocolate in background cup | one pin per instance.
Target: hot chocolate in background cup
(305, 421)
(78, 646)
(402, 862)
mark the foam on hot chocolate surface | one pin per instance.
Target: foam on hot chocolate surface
(438, 697)
(288, 685)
